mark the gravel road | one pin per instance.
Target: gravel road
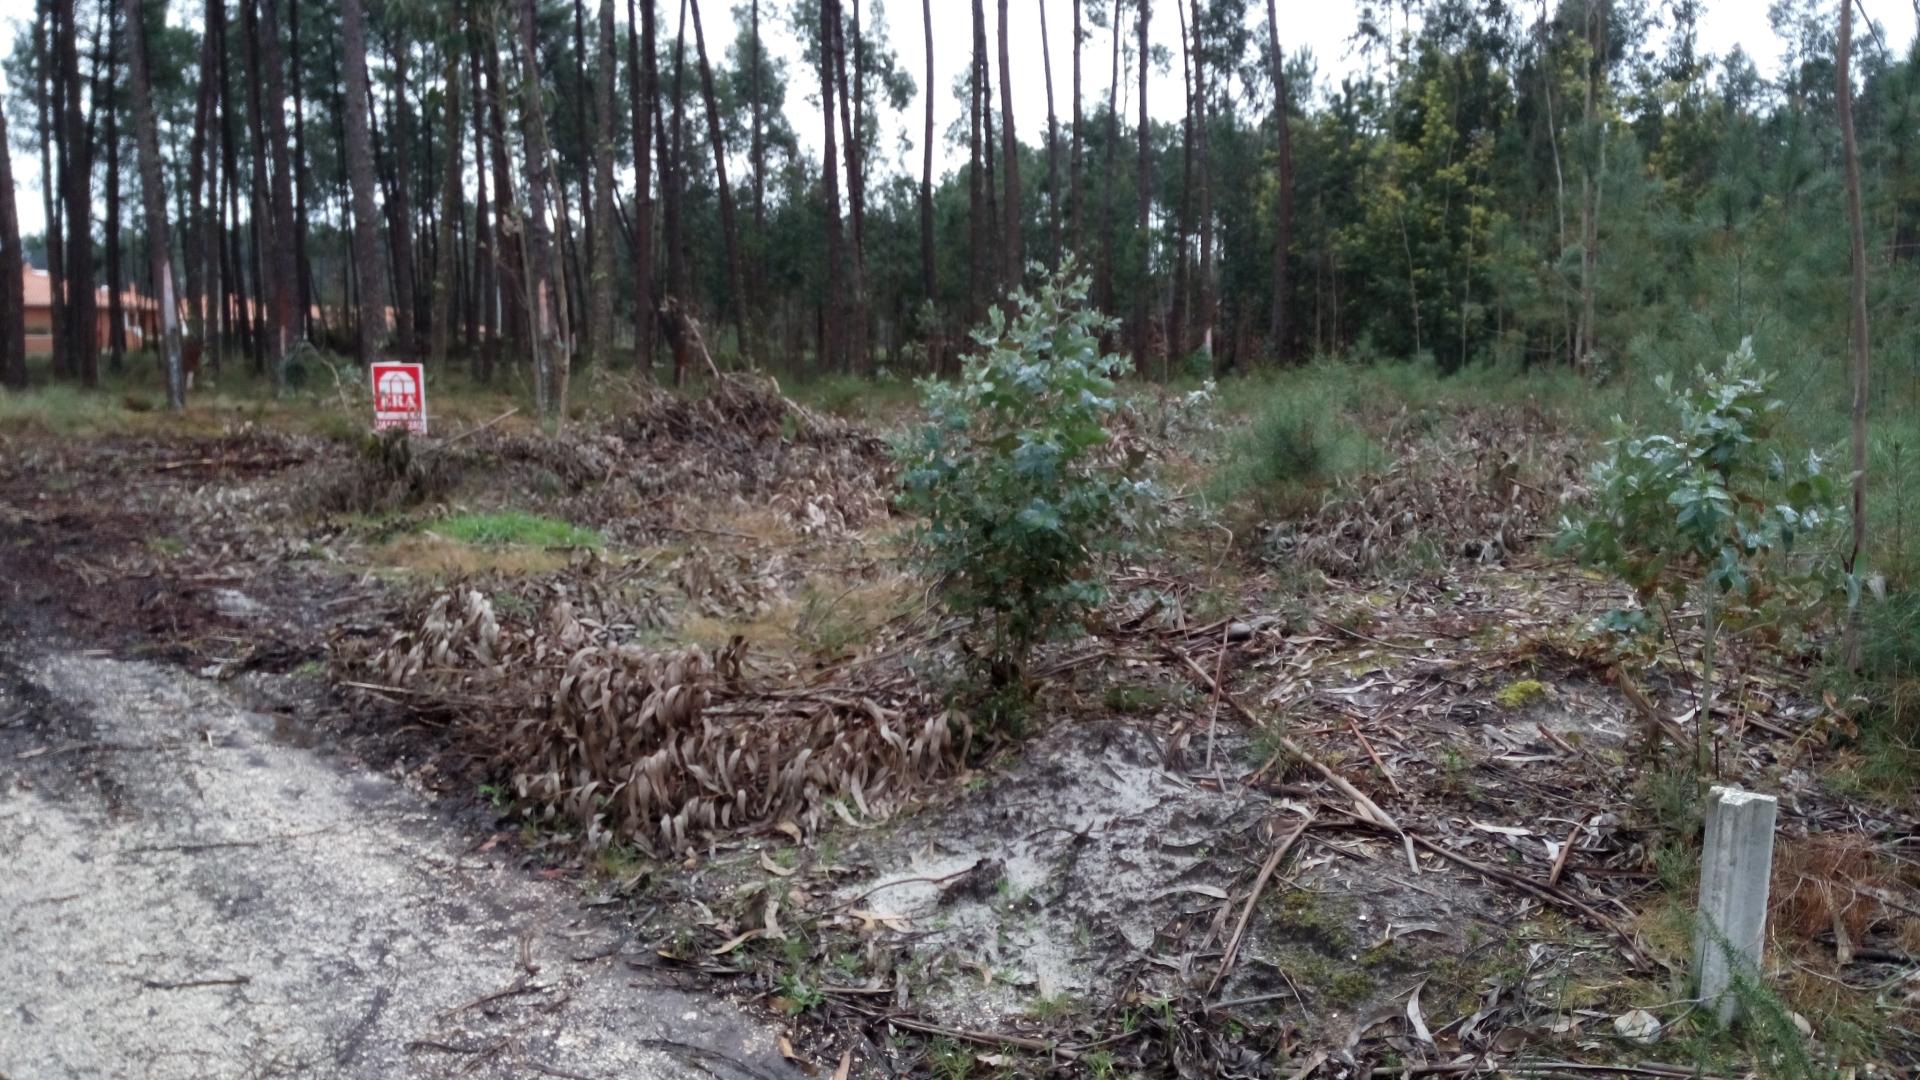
(191, 889)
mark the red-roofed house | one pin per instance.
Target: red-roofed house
(140, 313)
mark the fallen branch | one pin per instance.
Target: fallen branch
(1368, 808)
(1549, 894)
(1253, 897)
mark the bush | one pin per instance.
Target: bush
(1297, 443)
(1008, 473)
(1712, 514)
(1715, 505)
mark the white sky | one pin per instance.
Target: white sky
(1320, 25)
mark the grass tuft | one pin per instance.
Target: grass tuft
(515, 527)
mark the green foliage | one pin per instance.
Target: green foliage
(1009, 474)
(1299, 441)
(1714, 504)
(515, 527)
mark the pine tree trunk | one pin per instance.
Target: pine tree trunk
(1856, 229)
(1053, 148)
(643, 93)
(584, 126)
(260, 225)
(445, 254)
(116, 285)
(1278, 331)
(927, 277)
(545, 274)
(757, 150)
(1204, 167)
(673, 163)
(198, 175)
(600, 300)
(831, 346)
(509, 237)
(13, 322)
(1109, 174)
(1144, 288)
(854, 328)
(730, 236)
(406, 300)
(482, 323)
(287, 320)
(303, 267)
(1075, 236)
(49, 193)
(76, 181)
(976, 175)
(370, 278)
(1012, 264)
(153, 196)
(509, 240)
(1177, 307)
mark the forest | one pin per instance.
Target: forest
(1167, 555)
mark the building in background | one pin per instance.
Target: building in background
(141, 314)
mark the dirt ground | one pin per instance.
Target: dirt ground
(319, 853)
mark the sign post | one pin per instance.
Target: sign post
(399, 397)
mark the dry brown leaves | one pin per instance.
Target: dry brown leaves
(745, 439)
(665, 748)
(1481, 489)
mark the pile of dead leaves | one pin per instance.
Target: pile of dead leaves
(662, 748)
(747, 441)
(1478, 490)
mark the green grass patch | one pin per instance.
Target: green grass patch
(515, 527)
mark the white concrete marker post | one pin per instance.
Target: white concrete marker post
(1735, 869)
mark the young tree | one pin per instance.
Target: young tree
(153, 195)
(369, 274)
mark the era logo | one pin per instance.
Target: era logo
(400, 397)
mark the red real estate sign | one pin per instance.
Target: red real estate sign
(400, 397)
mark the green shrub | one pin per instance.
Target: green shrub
(1298, 442)
(1017, 497)
(1714, 504)
(1712, 514)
